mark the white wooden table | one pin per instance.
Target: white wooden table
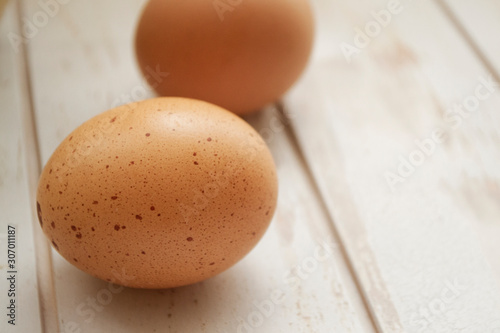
(388, 160)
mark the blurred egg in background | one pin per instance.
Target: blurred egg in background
(240, 55)
(3, 3)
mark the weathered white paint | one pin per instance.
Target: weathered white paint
(15, 199)
(424, 255)
(353, 121)
(81, 64)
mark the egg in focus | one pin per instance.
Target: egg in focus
(240, 55)
(157, 194)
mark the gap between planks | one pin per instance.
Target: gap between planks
(304, 165)
(43, 254)
(476, 49)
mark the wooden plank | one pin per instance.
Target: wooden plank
(71, 49)
(15, 198)
(82, 64)
(478, 22)
(418, 247)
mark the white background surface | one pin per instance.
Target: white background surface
(422, 256)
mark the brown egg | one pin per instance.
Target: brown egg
(157, 194)
(238, 54)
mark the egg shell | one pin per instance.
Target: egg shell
(157, 194)
(240, 55)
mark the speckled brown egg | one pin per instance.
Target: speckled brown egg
(157, 194)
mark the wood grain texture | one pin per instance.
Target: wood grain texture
(82, 64)
(15, 197)
(479, 21)
(418, 247)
